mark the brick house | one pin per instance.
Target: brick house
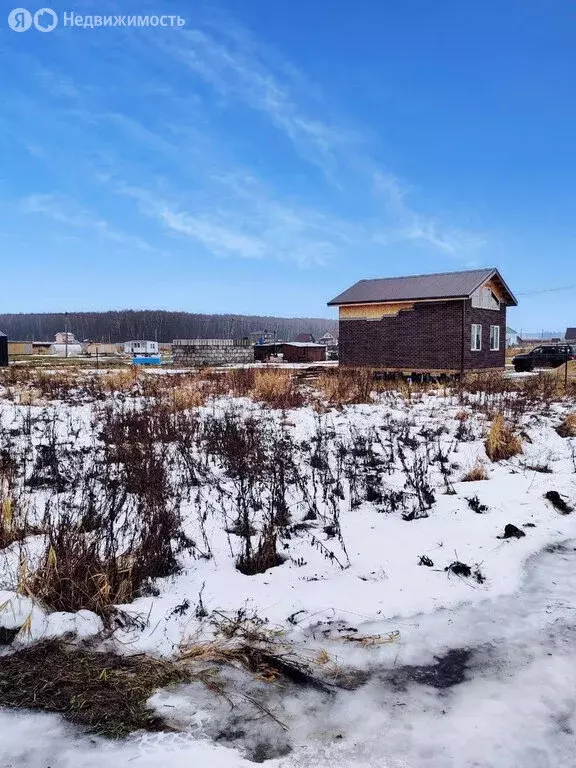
(449, 322)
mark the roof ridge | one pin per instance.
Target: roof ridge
(430, 274)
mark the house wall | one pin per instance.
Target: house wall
(426, 337)
(485, 317)
(263, 351)
(291, 353)
(3, 350)
(294, 354)
(373, 311)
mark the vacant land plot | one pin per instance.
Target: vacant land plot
(293, 551)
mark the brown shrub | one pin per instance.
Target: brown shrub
(184, 397)
(345, 386)
(491, 382)
(241, 381)
(276, 388)
(545, 386)
(501, 442)
(119, 381)
(478, 472)
(568, 427)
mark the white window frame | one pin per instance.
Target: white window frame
(494, 338)
(476, 335)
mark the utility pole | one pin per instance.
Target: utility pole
(66, 333)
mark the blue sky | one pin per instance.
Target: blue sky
(268, 154)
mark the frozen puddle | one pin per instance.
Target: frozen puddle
(485, 686)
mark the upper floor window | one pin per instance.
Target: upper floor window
(485, 298)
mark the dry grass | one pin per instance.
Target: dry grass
(119, 381)
(568, 427)
(239, 381)
(103, 692)
(561, 370)
(80, 581)
(501, 442)
(269, 662)
(343, 386)
(189, 395)
(276, 388)
(478, 472)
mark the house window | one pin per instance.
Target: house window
(494, 338)
(476, 337)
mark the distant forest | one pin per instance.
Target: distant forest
(127, 324)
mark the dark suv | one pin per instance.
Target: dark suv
(548, 356)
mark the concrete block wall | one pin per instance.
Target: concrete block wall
(196, 352)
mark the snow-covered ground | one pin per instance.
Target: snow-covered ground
(502, 694)
(516, 705)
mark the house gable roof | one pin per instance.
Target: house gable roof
(443, 285)
(307, 337)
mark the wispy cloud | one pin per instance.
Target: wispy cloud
(193, 182)
(249, 223)
(413, 226)
(238, 68)
(68, 213)
(239, 71)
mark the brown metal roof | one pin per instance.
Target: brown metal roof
(444, 285)
(305, 337)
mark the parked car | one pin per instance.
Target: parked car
(546, 356)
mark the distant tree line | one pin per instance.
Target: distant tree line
(159, 325)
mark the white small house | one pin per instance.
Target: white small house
(512, 337)
(65, 337)
(329, 340)
(141, 347)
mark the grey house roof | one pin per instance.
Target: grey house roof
(571, 333)
(444, 285)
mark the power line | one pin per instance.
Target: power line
(548, 290)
